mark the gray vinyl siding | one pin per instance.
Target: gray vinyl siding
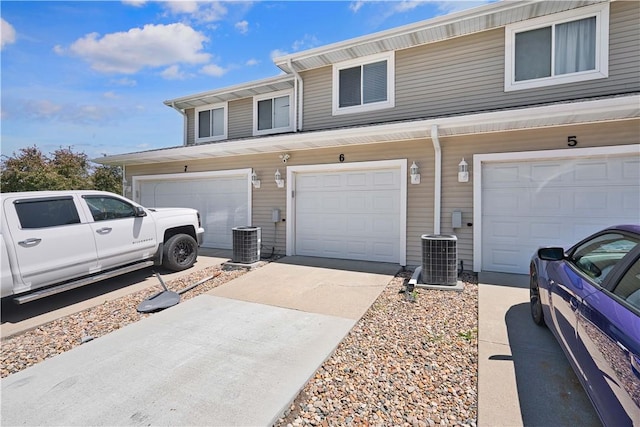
(466, 74)
(240, 118)
(191, 126)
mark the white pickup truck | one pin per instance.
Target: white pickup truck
(52, 241)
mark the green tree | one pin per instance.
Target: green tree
(31, 170)
(107, 178)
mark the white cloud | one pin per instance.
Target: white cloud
(135, 3)
(356, 5)
(252, 62)
(173, 73)
(125, 81)
(307, 42)
(242, 27)
(208, 11)
(277, 53)
(150, 46)
(7, 34)
(213, 70)
(110, 95)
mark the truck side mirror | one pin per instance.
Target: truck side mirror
(139, 212)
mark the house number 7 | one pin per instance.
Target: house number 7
(572, 141)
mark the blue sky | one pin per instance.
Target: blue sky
(93, 75)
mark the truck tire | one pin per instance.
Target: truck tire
(180, 252)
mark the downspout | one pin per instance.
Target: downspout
(124, 181)
(298, 87)
(437, 193)
(184, 124)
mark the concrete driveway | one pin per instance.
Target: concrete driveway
(238, 359)
(524, 378)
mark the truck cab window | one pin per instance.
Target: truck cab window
(44, 213)
(106, 208)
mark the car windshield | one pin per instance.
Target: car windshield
(598, 256)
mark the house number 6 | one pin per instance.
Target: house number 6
(572, 141)
(341, 158)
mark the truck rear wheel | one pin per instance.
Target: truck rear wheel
(180, 252)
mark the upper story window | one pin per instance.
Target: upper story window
(211, 123)
(273, 113)
(365, 84)
(562, 48)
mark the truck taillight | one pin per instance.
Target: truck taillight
(199, 221)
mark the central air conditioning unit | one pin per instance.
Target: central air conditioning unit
(246, 244)
(439, 259)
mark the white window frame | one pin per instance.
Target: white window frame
(600, 11)
(391, 84)
(197, 138)
(272, 95)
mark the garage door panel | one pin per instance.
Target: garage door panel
(357, 216)
(221, 201)
(527, 204)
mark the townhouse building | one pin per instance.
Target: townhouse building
(511, 125)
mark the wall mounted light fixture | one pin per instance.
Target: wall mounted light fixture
(279, 180)
(463, 171)
(414, 172)
(254, 180)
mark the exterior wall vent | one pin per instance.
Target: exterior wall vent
(439, 259)
(246, 244)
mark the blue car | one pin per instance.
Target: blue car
(589, 297)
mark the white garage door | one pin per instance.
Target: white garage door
(526, 205)
(349, 214)
(223, 203)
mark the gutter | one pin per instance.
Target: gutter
(437, 193)
(297, 116)
(184, 119)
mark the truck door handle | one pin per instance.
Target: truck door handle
(104, 230)
(29, 242)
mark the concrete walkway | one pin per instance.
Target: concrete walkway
(212, 360)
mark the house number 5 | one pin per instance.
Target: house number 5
(572, 141)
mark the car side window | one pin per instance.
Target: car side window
(598, 256)
(629, 286)
(106, 208)
(49, 212)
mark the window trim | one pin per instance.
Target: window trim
(272, 95)
(391, 84)
(601, 13)
(225, 114)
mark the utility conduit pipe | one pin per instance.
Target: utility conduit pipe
(437, 193)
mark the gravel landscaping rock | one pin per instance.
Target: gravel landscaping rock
(411, 360)
(403, 364)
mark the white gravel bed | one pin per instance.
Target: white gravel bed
(403, 364)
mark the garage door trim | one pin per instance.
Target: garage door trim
(400, 164)
(481, 159)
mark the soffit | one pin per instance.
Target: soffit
(593, 111)
(247, 90)
(494, 15)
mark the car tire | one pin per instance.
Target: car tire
(534, 297)
(180, 252)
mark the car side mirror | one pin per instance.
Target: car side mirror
(139, 211)
(551, 254)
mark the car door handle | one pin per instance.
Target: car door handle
(104, 230)
(574, 303)
(29, 242)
